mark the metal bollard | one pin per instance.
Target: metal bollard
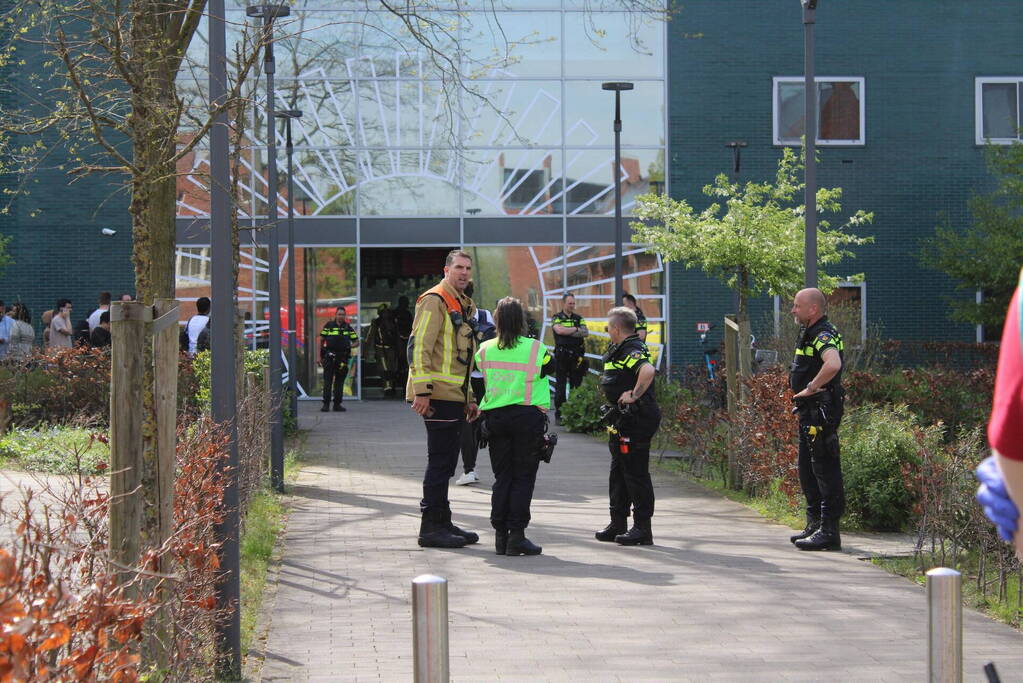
(945, 626)
(430, 629)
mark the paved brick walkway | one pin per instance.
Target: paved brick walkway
(721, 596)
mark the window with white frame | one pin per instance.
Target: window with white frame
(998, 107)
(840, 110)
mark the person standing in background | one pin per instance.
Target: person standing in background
(6, 327)
(104, 305)
(570, 331)
(61, 331)
(471, 436)
(23, 336)
(100, 336)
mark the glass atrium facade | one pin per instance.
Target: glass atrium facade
(496, 137)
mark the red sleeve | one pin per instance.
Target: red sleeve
(1005, 430)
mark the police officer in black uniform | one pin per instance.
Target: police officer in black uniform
(336, 341)
(628, 385)
(629, 301)
(569, 350)
(816, 379)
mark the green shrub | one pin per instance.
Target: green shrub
(881, 451)
(255, 361)
(59, 450)
(581, 412)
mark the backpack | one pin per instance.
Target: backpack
(183, 337)
(485, 325)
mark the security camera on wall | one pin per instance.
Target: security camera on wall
(108, 232)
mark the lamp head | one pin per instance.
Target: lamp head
(736, 143)
(617, 85)
(268, 11)
(289, 114)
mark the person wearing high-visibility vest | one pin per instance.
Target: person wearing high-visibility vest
(518, 395)
(440, 354)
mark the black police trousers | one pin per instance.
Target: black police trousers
(471, 430)
(514, 434)
(820, 471)
(629, 482)
(566, 373)
(443, 431)
(335, 371)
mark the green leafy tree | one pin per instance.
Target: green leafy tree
(986, 256)
(751, 237)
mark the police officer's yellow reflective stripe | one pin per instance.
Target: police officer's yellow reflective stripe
(330, 332)
(511, 375)
(626, 364)
(448, 332)
(808, 351)
(836, 342)
(417, 356)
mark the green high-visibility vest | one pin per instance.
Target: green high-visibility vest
(512, 376)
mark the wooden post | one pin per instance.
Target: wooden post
(127, 334)
(745, 359)
(731, 339)
(165, 405)
(165, 360)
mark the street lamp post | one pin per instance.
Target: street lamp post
(222, 380)
(288, 115)
(268, 13)
(810, 191)
(618, 87)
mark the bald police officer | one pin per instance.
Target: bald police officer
(816, 380)
(628, 382)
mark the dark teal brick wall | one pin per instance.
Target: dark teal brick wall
(56, 243)
(920, 164)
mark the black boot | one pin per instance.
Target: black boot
(825, 538)
(518, 544)
(338, 408)
(639, 534)
(813, 522)
(325, 408)
(433, 534)
(501, 541)
(619, 525)
(469, 536)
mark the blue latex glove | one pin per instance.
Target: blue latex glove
(994, 498)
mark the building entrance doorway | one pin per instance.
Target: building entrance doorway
(390, 281)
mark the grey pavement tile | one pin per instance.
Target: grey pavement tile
(722, 596)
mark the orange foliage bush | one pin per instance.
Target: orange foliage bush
(65, 611)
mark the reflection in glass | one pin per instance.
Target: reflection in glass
(590, 184)
(590, 277)
(387, 47)
(521, 272)
(511, 44)
(589, 114)
(613, 45)
(416, 183)
(1000, 111)
(406, 113)
(513, 113)
(512, 183)
(327, 282)
(838, 111)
